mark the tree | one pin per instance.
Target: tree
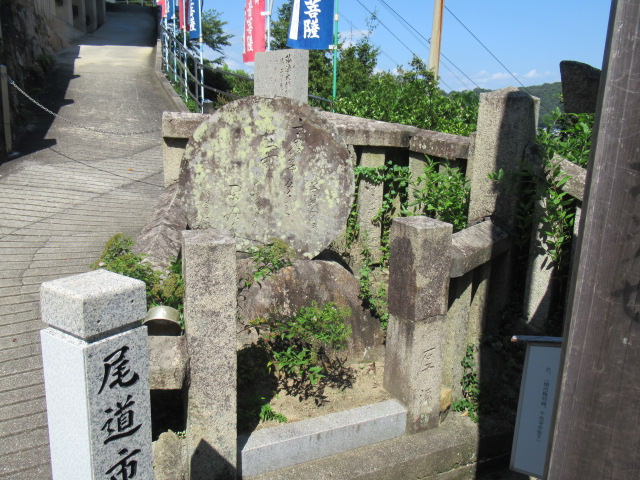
(213, 33)
(355, 66)
(213, 36)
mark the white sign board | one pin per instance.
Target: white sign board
(535, 410)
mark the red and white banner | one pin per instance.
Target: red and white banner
(183, 7)
(163, 6)
(254, 31)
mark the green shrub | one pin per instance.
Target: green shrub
(441, 192)
(300, 347)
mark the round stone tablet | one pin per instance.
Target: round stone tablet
(267, 168)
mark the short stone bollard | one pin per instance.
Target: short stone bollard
(96, 373)
(419, 269)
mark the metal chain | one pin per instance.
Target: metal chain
(77, 125)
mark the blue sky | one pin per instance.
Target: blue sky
(529, 37)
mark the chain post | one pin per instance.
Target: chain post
(6, 112)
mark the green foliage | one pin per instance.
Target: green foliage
(270, 258)
(412, 97)
(470, 387)
(395, 179)
(213, 33)
(267, 413)
(373, 294)
(568, 135)
(558, 217)
(441, 192)
(118, 257)
(162, 288)
(298, 347)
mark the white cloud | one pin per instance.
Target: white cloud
(532, 74)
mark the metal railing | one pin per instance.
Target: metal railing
(186, 72)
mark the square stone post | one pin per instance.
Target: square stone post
(370, 198)
(96, 371)
(507, 124)
(282, 73)
(419, 269)
(209, 270)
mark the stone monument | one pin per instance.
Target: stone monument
(265, 168)
(96, 373)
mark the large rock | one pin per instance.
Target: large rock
(304, 282)
(265, 168)
(580, 85)
(161, 238)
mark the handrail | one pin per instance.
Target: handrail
(175, 67)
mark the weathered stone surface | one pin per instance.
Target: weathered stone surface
(506, 125)
(580, 85)
(167, 457)
(181, 125)
(267, 168)
(209, 269)
(476, 245)
(419, 267)
(161, 238)
(92, 304)
(374, 133)
(321, 281)
(576, 181)
(438, 144)
(413, 368)
(168, 362)
(282, 73)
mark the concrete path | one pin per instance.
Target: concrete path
(61, 202)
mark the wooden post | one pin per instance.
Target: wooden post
(597, 415)
(6, 112)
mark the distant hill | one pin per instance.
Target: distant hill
(548, 93)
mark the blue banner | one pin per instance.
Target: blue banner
(311, 24)
(171, 9)
(194, 24)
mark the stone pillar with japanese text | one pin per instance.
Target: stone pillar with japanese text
(96, 371)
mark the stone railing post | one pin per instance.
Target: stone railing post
(282, 73)
(209, 270)
(419, 269)
(96, 372)
(370, 198)
(507, 123)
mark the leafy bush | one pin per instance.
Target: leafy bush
(300, 347)
(270, 258)
(470, 387)
(412, 98)
(162, 288)
(441, 192)
(568, 135)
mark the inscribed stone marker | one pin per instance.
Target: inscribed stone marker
(96, 372)
(267, 168)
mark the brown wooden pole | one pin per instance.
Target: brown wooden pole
(597, 431)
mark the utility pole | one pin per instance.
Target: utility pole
(436, 37)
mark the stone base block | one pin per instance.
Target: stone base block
(279, 447)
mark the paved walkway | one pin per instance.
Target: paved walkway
(60, 203)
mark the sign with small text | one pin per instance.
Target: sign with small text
(529, 453)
